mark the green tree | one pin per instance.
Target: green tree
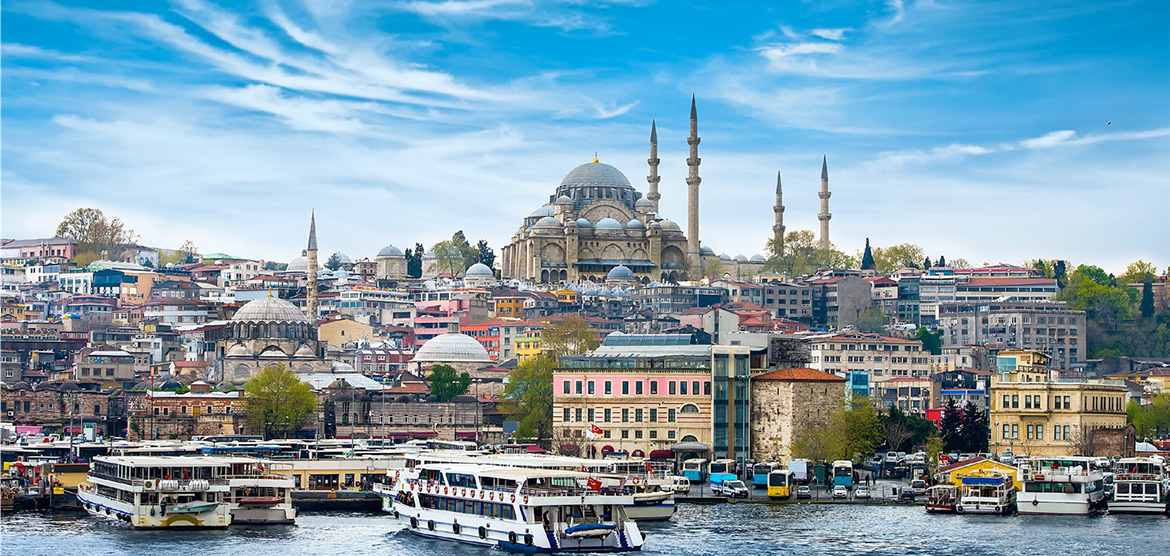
(859, 428)
(528, 397)
(414, 267)
(484, 254)
(871, 320)
(446, 383)
(951, 426)
(448, 258)
(1060, 273)
(974, 429)
(333, 262)
(278, 403)
(189, 252)
(817, 444)
(1152, 420)
(906, 255)
(867, 262)
(942, 261)
(96, 233)
(931, 341)
(571, 336)
(1147, 308)
(934, 447)
(1138, 272)
(715, 268)
(802, 254)
(926, 263)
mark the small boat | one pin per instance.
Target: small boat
(1140, 486)
(942, 499)
(261, 501)
(190, 508)
(992, 493)
(590, 530)
(1067, 485)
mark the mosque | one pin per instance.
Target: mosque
(596, 227)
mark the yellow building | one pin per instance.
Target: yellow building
(1020, 365)
(955, 472)
(338, 333)
(527, 347)
(566, 297)
(1058, 417)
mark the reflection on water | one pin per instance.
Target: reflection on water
(723, 530)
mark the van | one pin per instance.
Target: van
(679, 485)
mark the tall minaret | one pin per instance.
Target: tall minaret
(778, 229)
(824, 216)
(653, 178)
(311, 255)
(693, 180)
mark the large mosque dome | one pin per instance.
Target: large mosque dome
(271, 317)
(452, 347)
(594, 174)
(269, 309)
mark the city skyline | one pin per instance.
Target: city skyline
(991, 132)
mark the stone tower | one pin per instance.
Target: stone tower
(778, 228)
(693, 181)
(311, 255)
(653, 178)
(824, 216)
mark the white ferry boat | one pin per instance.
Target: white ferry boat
(260, 492)
(159, 492)
(1139, 486)
(653, 495)
(1064, 485)
(531, 510)
(987, 494)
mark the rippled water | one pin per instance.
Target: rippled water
(726, 530)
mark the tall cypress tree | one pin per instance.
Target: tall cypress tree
(867, 262)
(1147, 306)
(951, 426)
(942, 261)
(926, 264)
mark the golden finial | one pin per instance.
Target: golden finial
(595, 157)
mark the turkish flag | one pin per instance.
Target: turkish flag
(648, 468)
(583, 470)
(594, 484)
(595, 429)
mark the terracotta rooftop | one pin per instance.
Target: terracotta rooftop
(799, 375)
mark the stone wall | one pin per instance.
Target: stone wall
(782, 409)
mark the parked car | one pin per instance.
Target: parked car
(1101, 463)
(918, 486)
(892, 457)
(803, 492)
(862, 492)
(1007, 457)
(840, 491)
(733, 489)
(679, 485)
(903, 493)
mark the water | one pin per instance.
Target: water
(723, 530)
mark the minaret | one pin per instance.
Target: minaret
(653, 178)
(824, 216)
(778, 229)
(693, 180)
(311, 255)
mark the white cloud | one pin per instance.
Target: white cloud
(1056, 138)
(831, 34)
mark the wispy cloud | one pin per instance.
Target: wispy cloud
(1055, 139)
(831, 34)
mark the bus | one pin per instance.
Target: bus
(760, 473)
(780, 484)
(801, 470)
(843, 473)
(695, 470)
(723, 470)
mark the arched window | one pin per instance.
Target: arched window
(689, 438)
(689, 408)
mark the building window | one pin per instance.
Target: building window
(653, 387)
(695, 387)
(625, 387)
(638, 415)
(653, 435)
(1067, 436)
(638, 434)
(653, 415)
(565, 417)
(566, 387)
(579, 387)
(608, 388)
(638, 388)
(670, 415)
(590, 415)
(1015, 401)
(1055, 432)
(1029, 426)
(670, 435)
(608, 415)
(1006, 431)
(625, 434)
(1015, 431)
(670, 388)
(590, 387)
(625, 416)
(682, 387)
(1039, 432)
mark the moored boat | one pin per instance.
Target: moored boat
(1061, 485)
(942, 499)
(1139, 486)
(531, 510)
(992, 493)
(261, 492)
(158, 492)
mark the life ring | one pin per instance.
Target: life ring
(959, 508)
(512, 537)
(1035, 502)
(455, 528)
(413, 522)
(525, 498)
(431, 524)
(482, 532)
(637, 481)
(463, 493)
(397, 473)
(513, 497)
(446, 490)
(481, 495)
(148, 484)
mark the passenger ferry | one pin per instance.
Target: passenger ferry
(159, 492)
(532, 510)
(1066, 485)
(1139, 486)
(987, 494)
(942, 499)
(260, 492)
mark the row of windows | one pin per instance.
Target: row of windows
(625, 434)
(1036, 432)
(673, 387)
(589, 415)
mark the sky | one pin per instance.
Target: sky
(987, 130)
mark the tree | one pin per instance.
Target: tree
(859, 428)
(867, 262)
(189, 252)
(485, 254)
(960, 264)
(871, 320)
(571, 336)
(715, 268)
(931, 341)
(448, 258)
(895, 428)
(974, 429)
(1138, 272)
(942, 261)
(333, 262)
(1152, 420)
(906, 255)
(926, 263)
(951, 425)
(1082, 441)
(446, 384)
(802, 254)
(1060, 273)
(414, 257)
(934, 447)
(528, 397)
(1147, 308)
(819, 445)
(278, 403)
(95, 233)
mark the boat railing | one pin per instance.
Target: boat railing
(271, 476)
(1136, 477)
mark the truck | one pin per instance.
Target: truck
(801, 470)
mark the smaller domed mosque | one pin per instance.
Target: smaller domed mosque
(270, 331)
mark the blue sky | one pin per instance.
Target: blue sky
(975, 129)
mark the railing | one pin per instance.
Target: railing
(527, 491)
(182, 484)
(1137, 477)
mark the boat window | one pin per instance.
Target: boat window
(1034, 487)
(1151, 488)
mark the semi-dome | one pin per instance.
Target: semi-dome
(304, 351)
(620, 272)
(706, 251)
(479, 270)
(741, 258)
(452, 347)
(608, 224)
(644, 203)
(299, 264)
(564, 200)
(758, 258)
(593, 174)
(671, 225)
(238, 350)
(544, 210)
(547, 222)
(584, 223)
(269, 309)
(725, 257)
(635, 225)
(390, 251)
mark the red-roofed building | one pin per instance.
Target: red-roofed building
(787, 401)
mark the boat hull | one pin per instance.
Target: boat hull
(661, 511)
(1139, 508)
(1038, 506)
(140, 518)
(283, 514)
(940, 508)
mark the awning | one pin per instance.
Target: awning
(690, 447)
(534, 449)
(661, 454)
(638, 454)
(606, 449)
